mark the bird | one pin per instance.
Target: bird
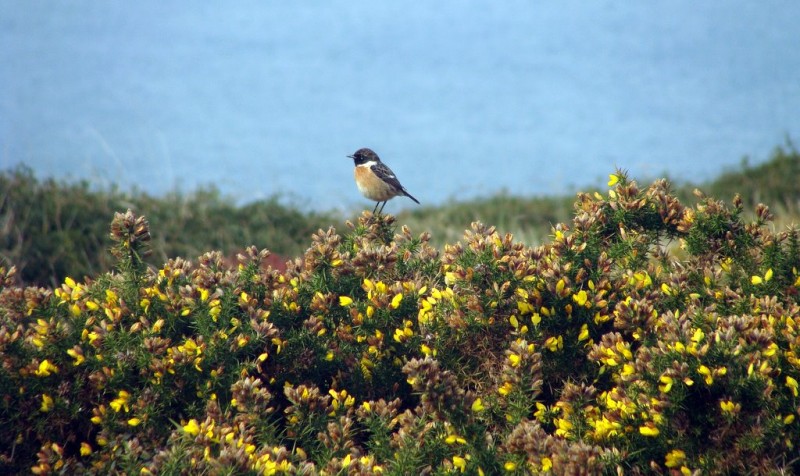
(375, 180)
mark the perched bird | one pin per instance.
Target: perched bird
(375, 180)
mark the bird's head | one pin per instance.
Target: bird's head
(362, 156)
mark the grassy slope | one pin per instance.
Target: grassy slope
(50, 229)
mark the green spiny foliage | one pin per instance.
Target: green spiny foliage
(647, 336)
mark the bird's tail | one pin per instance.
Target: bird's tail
(409, 196)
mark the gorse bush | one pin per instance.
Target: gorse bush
(646, 337)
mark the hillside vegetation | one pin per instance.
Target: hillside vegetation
(53, 229)
(645, 335)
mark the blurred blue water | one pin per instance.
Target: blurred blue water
(460, 98)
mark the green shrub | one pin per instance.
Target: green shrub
(54, 229)
(773, 182)
(605, 350)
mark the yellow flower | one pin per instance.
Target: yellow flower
(666, 383)
(649, 430)
(86, 449)
(505, 389)
(477, 406)
(345, 301)
(584, 334)
(547, 464)
(628, 369)
(402, 335)
(524, 307)
(460, 463)
(396, 300)
(192, 427)
(613, 179)
(554, 343)
(563, 427)
(510, 466)
(536, 318)
(121, 402)
(675, 458)
(47, 403)
(341, 398)
(541, 411)
(768, 275)
(368, 285)
(727, 406)
(560, 286)
(642, 280)
(453, 439)
(605, 428)
(726, 264)
(791, 382)
(580, 297)
(111, 297)
(706, 373)
(45, 369)
(134, 421)
(756, 280)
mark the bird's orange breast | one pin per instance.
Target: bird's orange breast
(373, 187)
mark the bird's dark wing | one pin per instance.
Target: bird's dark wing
(385, 173)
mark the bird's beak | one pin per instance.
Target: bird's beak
(350, 157)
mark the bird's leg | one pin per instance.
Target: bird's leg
(380, 212)
(376, 207)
